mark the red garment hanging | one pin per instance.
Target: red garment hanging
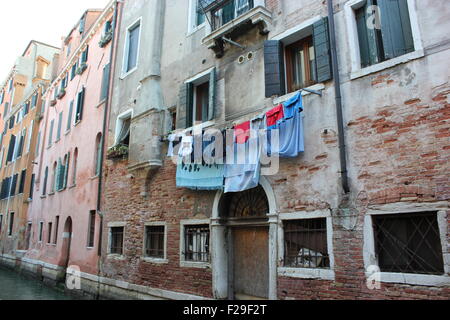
(242, 132)
(275, 115)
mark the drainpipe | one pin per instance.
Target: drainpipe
(337, 86)
(105, 119)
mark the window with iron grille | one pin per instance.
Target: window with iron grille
(155, 242)
(116, 240)
(305, 244)
(226, 11)
(408, 243)
(196, 243)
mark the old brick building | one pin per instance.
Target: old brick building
(369, 193)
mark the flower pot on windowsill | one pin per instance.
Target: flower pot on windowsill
(105, 39)
(81, 69)
(61, 94)
(118, 152)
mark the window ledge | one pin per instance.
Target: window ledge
(258, 15)
(43, 197)
(77, 123)
(116, 257)
(72, 186)
(305, 273)
(286, 97)
(155, 260)
(51, 194)
(387, 64)
(126, 74)
(95, 177)
(102, 102)
(411, 279)
(192, 264)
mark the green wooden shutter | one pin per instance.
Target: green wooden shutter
(59, 173)
(69, 116)
(274, 68)
(185, 107)
(82, 24)
(105, 81)
(212, 95)
(50, 135)
(66, 171)
(322, 48)
(58, 134)
(395, 28)
(12, 144)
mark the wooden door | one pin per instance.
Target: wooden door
(251, 262)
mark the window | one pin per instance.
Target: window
(55, 238)
(80, 105)
(123, 129)
(408, 243)
(33, 177)
(116, 246)
(298, 58)
(305, 244)
(41, 230)
(84, 57)
(75, 164)
(11, 149)
(196, 243)
(49, 235)
(98, 154)
(228, 11)
(44, 188)
(105, 82)
(11, 224)
(69, 117)
(21, 143)
(199, 15)
(73, 71)
(14, 185)
(58, 132)
(197, 96)
(132, 48)
(1, 223)
(22, 181)
(30, 135)
(38, 143)
(11, 85)
(34, 101)
(155, 242)
(50, 134)
(91, 233)
(300, 65)
(393, 38)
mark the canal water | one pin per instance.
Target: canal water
(13, 286)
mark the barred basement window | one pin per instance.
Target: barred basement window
(154, 242)
(408, 243)
(196, 243)
(116, 240)
(305, 243)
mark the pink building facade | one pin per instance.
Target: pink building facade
(63, 213)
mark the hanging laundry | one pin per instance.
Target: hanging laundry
(290, 130)
(274, 116)
(242, 132)
(200, 177)
(243, 172)
(174, 140)
(187, 146)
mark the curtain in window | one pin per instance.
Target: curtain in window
(124, 131)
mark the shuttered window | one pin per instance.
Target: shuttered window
(307, 61)
(11, 224)
(105, 82)
(394, 39)
(44, 188)
(197, 101)
(58, 132)
(33, 177)
(14, 185)
(22, 181)
(12, 144)
(50, 135)
(80, 105)
(69, 117)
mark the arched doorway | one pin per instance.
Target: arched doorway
(244, 249)
(67, 241)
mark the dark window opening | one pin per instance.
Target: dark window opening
(300, 65)
(408, 243)
(91, 236)
(117, 240)
(196, 246)
(155, 238)
(11, 224)
(201, 102)
(305, 243)
(49, 236)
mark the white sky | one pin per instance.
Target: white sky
(45, 20)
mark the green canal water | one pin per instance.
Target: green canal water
(14, 286)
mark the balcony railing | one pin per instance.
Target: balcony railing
(227, 10)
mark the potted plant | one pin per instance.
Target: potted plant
(118, 152)
(81, 68)
(106, 38)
